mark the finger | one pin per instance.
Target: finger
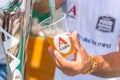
(51, 51)
(77, 55)
(62, 61)
(76, 40)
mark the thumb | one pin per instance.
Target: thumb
(57, 57)
(76, 40)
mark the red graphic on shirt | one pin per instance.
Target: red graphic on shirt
(62, 41)
(73, 10)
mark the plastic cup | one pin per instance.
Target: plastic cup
(57, 34)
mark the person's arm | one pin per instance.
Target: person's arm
(42, 6)
(108, 65)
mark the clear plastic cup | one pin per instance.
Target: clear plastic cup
(57, 34)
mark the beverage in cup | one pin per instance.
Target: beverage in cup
(57, 34)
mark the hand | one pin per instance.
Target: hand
(81, 62)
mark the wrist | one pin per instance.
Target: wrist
(93, 66)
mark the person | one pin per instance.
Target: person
(95, 32)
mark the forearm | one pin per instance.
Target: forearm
(108, 65)
(42, 6)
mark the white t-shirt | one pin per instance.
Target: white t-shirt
(98, 25)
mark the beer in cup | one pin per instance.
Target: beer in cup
(58, 35)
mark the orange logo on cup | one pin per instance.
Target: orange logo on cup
(62, 43)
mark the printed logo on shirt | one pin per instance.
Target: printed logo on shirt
(72, 12)
(105, 24)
